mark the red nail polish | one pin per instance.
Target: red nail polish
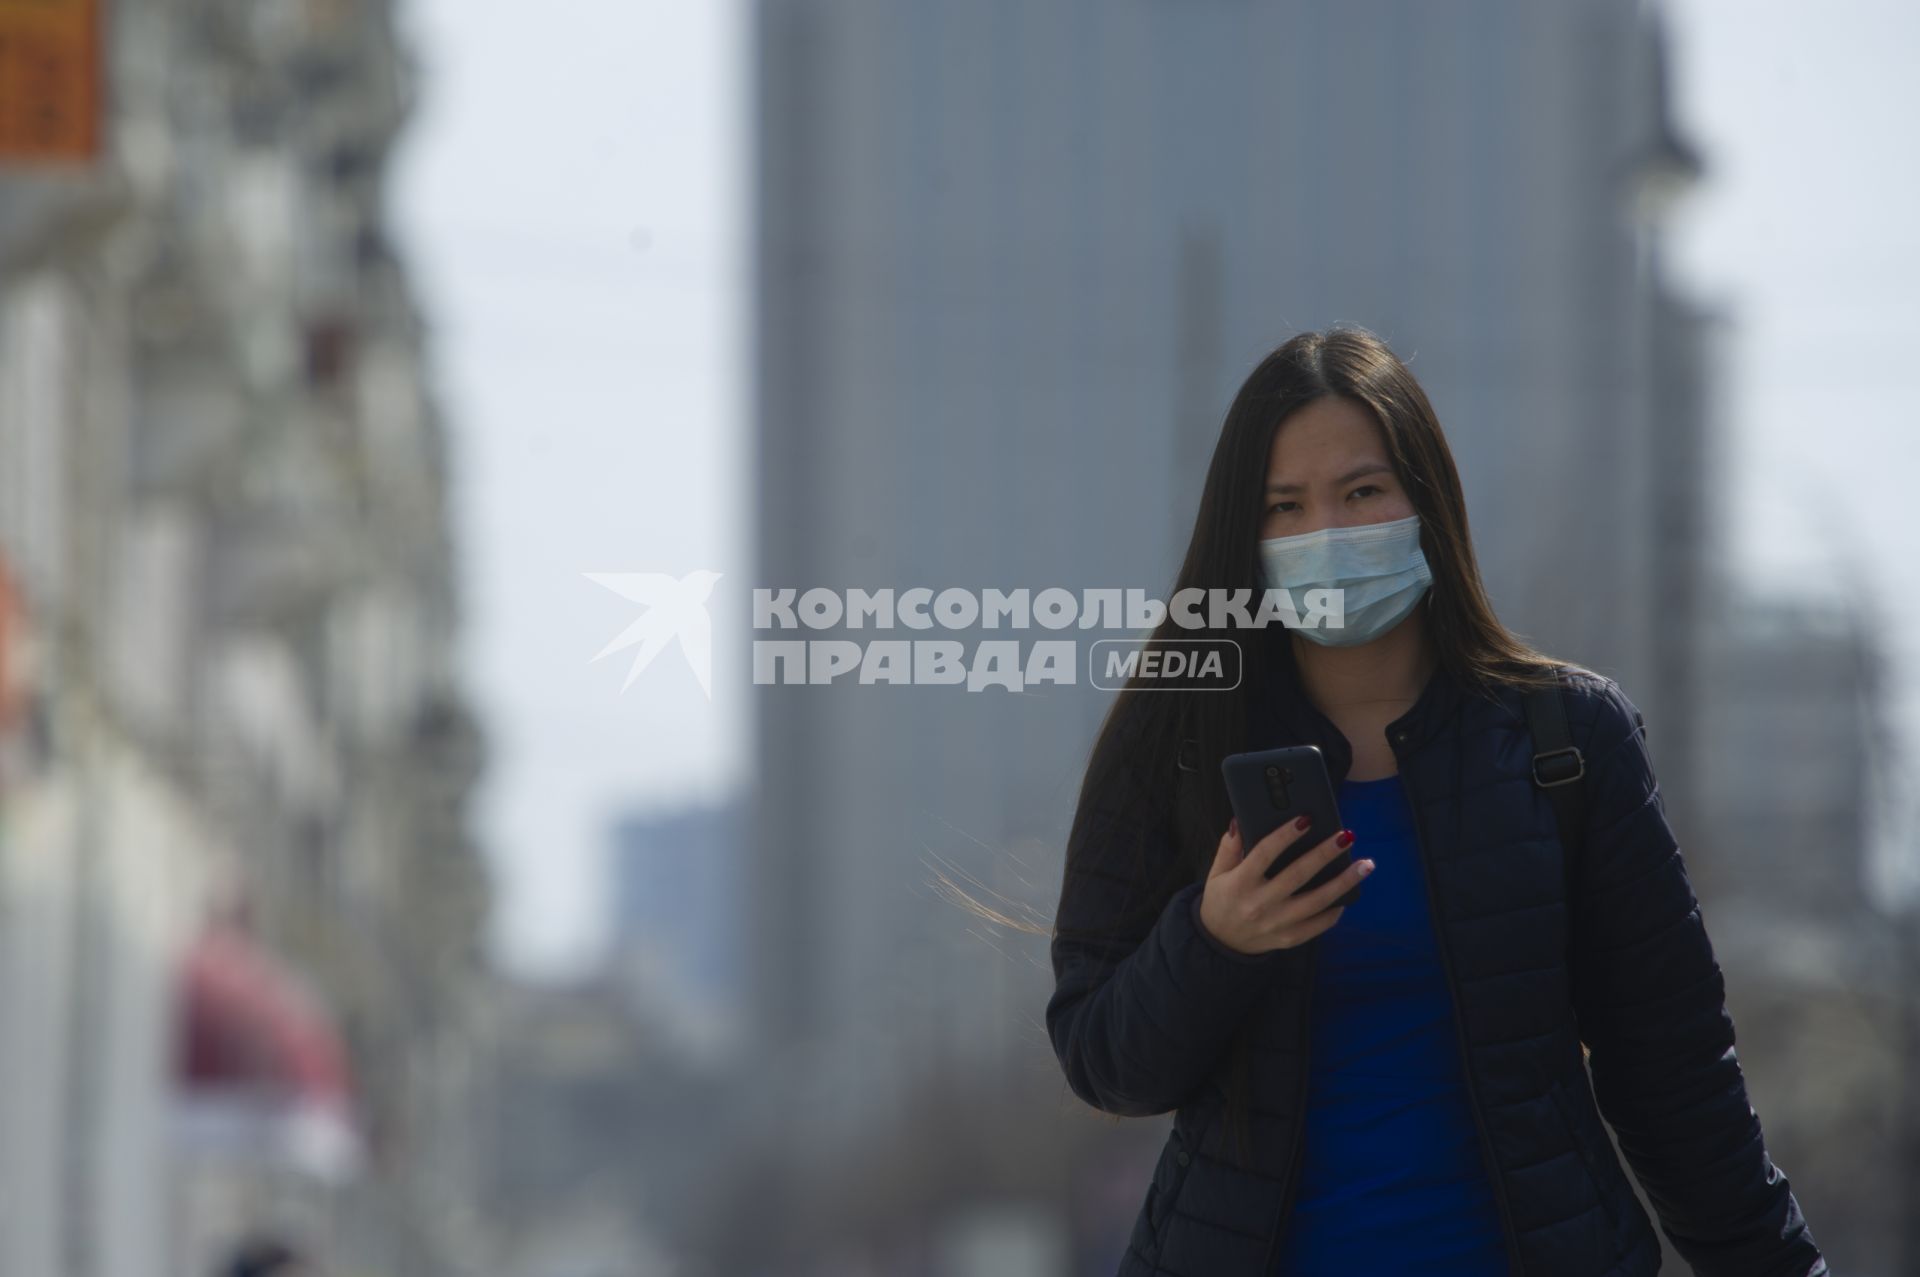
(1345, 839)
(1303, 822)
(1233, 826)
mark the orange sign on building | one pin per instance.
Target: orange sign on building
(49, 81)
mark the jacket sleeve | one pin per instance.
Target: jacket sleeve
(1141, 1014)
(1650, 999)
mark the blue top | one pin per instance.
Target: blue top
(1391, 1177)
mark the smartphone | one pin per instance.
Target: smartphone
(1272, 787)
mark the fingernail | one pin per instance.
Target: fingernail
(1345, 839)
(1303, 822)
(1366, 867)
(1233, 826)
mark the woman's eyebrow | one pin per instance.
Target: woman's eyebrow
(1358, 472)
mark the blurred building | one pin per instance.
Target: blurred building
(1011, 266)
(677, 935)
(610, 1138)
(229, 653)
(1800, 689)
(1795, 760)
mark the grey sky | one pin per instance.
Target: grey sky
(571, 197)
(1806, 234)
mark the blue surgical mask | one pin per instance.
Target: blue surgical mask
(1379, 566)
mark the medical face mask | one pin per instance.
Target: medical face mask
(1379, 566)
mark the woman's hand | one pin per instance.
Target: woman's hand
(1250, 913)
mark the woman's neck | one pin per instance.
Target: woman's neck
(1388, 673)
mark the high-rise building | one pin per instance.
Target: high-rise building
(224, 538)
(1011, 264)
(678, 921)
(1797, 776)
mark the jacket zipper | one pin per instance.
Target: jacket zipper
(1291, 1187)
(1460, 1037)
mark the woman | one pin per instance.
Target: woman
(1406, 1095)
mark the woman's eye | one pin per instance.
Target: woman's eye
(1365, 487)
(1280, 507)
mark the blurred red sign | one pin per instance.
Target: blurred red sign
(12, 637)
(49, 80)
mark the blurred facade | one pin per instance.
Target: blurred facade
(240, 917)
(678, 923)
(1010, 267)
(1795, 764)
(605, 1140)
(612, 1131)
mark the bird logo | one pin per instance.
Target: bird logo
(676, 609)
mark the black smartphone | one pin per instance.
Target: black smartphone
(1272, 787)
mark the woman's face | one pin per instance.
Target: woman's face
(1328, 468)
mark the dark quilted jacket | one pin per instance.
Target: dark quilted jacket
(1618, 959)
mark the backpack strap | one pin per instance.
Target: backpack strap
(1558, 766)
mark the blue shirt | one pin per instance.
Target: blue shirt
(1391, 1176)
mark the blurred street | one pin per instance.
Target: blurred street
(349, 905)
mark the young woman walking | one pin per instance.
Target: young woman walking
(1399, 1086)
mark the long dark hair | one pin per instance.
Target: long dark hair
(1148, 743)
(1223, 552)
(1157, 751)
